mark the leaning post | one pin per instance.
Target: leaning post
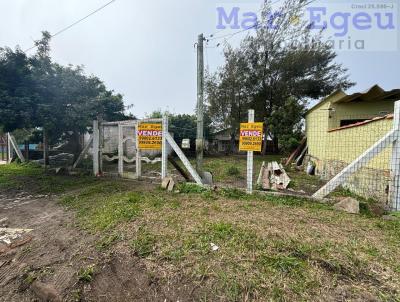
(250, 160)
(395, 162)
(164, 155)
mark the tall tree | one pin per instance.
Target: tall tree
(227, 92)
(36, 92)
(286, 65)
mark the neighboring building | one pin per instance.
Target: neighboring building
(221, 141)
(341, 127)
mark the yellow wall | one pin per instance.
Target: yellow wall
(348, 144)
(361, 110)
(316, 130)
(345, 144)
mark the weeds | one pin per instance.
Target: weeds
(86, 274)
(233, 171)
(144, 243)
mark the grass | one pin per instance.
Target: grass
(86, 274)
(32, 178)
(269, 247)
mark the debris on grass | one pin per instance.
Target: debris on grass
(348, 205)
(273, 177)
(214, 247)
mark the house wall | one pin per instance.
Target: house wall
(344, 146)
(317, 125)
(332, 151)
(360, 110)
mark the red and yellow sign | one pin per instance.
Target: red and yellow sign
(150, 136)
(251, 137)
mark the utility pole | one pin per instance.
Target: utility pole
(200, 105)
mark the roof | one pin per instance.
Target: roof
(374, 93)
(389, 116)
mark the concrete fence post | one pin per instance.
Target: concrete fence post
(138, 155)
(96, 147)
(164, 155)
(395, 161)
(250, 160)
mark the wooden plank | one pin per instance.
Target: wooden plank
(296, 152)
(301, 157)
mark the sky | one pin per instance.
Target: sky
(145, 49)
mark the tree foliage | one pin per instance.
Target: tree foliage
(184, 126)
(36, 92)
(276, 71)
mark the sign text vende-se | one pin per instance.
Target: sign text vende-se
(251, 137)
(150, 136)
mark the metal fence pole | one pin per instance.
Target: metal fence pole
(250, 160)
(164, 156)
(395, 161)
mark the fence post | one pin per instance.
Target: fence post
(96, 141)
(250, 160)
(120, 150)
(164, 155)
(395, 162)
(9, 148)
(138, 155)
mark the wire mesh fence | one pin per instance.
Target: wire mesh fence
(335, 142)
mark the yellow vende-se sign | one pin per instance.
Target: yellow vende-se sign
(251, 137)
(150, 136)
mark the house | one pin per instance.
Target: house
(341, 127)
(221, 141)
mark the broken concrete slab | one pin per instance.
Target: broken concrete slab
(165, 182)
(348, 205)
(171, 185)
(274, 177)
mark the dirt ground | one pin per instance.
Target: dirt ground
(44, 264)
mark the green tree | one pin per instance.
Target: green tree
(38, 93)
(284, 67)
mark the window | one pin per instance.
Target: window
(351, 122)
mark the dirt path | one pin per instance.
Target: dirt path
(43, 264)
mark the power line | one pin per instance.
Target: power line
(212, 36)
(76, 22)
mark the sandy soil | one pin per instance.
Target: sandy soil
(43, 264)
